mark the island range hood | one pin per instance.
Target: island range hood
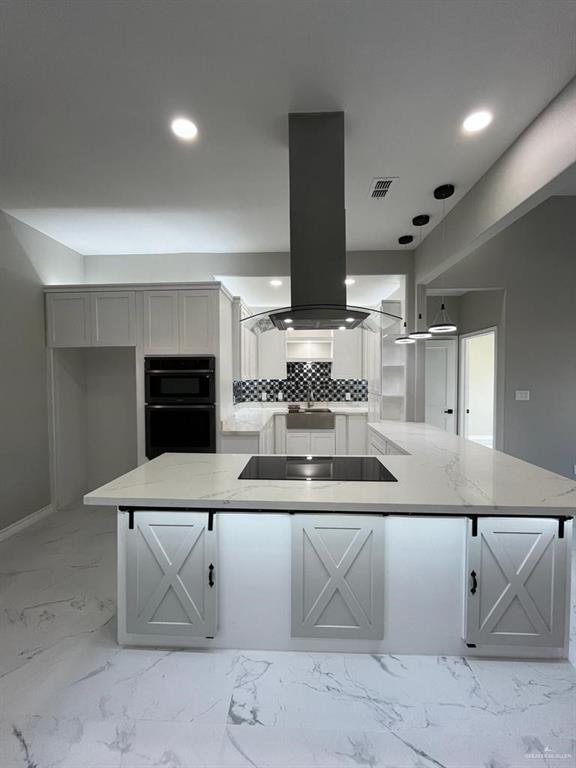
(317, 232)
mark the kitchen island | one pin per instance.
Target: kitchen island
(468, 552)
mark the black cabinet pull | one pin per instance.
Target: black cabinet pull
(474, 587)
(449, 410)
(210, 575)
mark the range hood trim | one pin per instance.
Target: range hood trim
(265, 321)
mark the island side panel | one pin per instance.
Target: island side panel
(424, 582)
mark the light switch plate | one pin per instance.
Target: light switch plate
(522, 394)
(348, 396)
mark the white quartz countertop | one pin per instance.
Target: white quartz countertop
(252, 417)
(443, 474)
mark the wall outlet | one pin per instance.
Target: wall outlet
(264, 396)
(522, 394)
(280, 396)
(348, 396)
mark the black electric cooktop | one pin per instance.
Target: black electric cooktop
(352, 468)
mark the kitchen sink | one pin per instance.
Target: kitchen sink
(310, 418)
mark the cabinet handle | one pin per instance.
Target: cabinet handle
(449, 410)
(210, 575)
(474, 587)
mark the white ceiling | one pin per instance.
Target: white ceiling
(88, 88)
(256, 292)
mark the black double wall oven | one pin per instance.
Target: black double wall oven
(180, 405)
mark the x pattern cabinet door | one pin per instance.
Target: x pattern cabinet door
(517, 582)
(337, 577)
(170, 586)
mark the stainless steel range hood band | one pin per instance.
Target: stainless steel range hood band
(315, 316)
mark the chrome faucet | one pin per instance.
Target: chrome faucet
(310, 397)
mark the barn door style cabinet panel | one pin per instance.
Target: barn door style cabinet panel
(517, 581)
(168, 582)
(337, 577)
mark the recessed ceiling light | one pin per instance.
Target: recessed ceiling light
(288, 320)
(477, 121)
(276, 283)
(349, 319)
(342, 328)
(184, 128)
(349, 281)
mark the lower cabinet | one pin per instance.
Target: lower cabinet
(517, 581)
(169, 577)
(266, 438)
(321, 442)
(338, 576)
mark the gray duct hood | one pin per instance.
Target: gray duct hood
(317, 231)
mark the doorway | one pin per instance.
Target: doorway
(442, 383)
(478, 386)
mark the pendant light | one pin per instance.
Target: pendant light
(442, 322)
(419, 335)
(405, 338)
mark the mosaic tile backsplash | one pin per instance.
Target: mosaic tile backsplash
(299, 378)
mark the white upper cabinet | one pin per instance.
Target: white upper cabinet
(68, 320)
(160, 316)
(515, 594)
(161, 321)
(198, 321)
(272, 355)
(347, 354)
(113, 319)
(244, 344)
(95, 318)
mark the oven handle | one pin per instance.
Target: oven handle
(185, 372)
(207, 406)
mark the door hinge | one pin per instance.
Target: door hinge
(131, 519)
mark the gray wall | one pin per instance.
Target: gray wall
(534, 261)
(55, 263)
(24, 465)
(188, 267)
(479, 310)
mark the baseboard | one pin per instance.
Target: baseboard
(20, 525)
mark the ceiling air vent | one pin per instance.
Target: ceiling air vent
(380, 187)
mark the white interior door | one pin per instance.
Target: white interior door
(478, 386)
(441, 383)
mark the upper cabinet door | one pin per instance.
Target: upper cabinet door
(337, 576)
(516, 583)
(347, 354)
(171, 572)
(113, 319)
(68, 316)
(198, 312)
(272, 355)
(161, 322)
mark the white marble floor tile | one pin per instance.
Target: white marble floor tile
(173, 745)
(261, 747)
(363, 692)
(70, 697)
